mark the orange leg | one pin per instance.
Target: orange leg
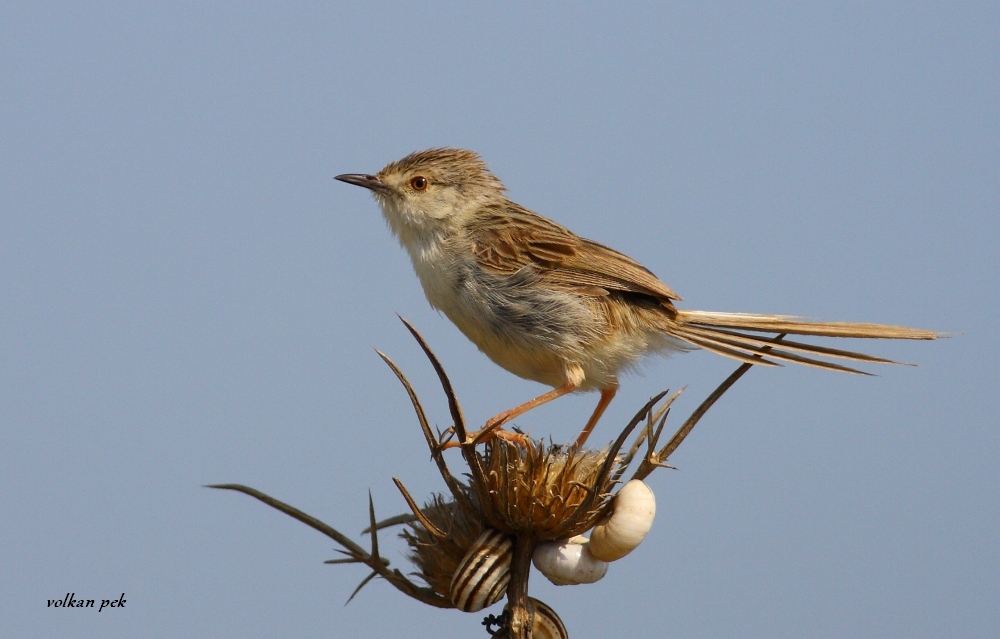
(607, 394)
(496, 422)
(515, 438)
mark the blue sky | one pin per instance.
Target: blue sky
(189, 298)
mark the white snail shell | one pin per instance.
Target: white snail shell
(545, 623)
(481, 579)
(631, 518)
(568, 562)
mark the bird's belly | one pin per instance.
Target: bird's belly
(530, 331)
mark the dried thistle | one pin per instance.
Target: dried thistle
(529, 494)
(537, 490)
(437, 556)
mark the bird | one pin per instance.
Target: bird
(550, 306)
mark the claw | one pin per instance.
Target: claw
(518, 439)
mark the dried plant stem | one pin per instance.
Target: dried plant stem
(354, 552)
(432, 442)
(468, 448)
(611, 460)
(659, 458)
(517, 590)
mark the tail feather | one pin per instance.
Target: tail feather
(716, 347)
(798, 326)
(719, 332)
(747, 351)
(788, 345)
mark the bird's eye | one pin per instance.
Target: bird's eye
(419, 183)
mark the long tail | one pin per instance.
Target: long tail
(724, 333)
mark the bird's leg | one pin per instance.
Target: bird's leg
(607, 394)
(517, 439)
(507, 415)
(494, 423)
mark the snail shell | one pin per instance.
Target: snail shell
(631, 518)
(568, 562)
(481, 579)
(545, 623)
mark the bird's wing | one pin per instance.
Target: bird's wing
(509, 238)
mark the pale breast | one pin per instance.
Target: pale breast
(533, 331)
(528, 330)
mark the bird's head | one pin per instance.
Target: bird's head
(430, 193)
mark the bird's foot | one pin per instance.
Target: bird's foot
(491, 429)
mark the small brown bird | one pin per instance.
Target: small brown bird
(553, 307)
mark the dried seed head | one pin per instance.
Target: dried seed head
(537, 490)
(437, 558)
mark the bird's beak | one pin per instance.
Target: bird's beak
(370, 182)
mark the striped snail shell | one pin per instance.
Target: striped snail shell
(481, 579)
(568, 562)
(545, 623)
(631, 518)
